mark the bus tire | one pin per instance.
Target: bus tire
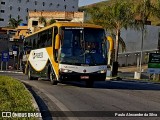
(30, 77)
(89, 84)
(52, 77)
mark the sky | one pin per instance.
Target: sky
(87, 2)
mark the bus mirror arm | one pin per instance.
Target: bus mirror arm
(57, 42)
(111, 48)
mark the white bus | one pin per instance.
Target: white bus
(67, 51)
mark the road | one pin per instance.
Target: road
(108, 98)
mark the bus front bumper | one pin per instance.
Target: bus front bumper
(83, 76)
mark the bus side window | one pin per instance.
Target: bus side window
(34, 44)
(43, 39)
(38, 40)
(55, 52)
(49, 40)
(30, 43)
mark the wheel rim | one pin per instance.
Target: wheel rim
(52, 76)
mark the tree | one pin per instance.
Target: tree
(113, 18)
(156, 9)
(144, 10)
(52, 21)
(117, 16)
(14, 23)
(42, 20)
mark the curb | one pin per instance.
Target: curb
(10, 71)
(130, 80)
(34, 103)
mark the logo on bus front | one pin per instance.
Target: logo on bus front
(37, 55)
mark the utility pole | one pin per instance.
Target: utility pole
(143, 26)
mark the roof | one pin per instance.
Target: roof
(68, 24)
(22, 28)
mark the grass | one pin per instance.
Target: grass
(14, 97)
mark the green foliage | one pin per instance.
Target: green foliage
(14, 23)
(14, 96)
(52, 21)
(156, 11)
(152, 11)
(113, 18)
(43, 20)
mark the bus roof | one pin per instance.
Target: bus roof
(67, 24)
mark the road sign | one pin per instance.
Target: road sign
(5, 56)
(154, 63)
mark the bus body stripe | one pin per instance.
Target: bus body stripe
(55, 65)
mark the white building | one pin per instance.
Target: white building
(18, 9)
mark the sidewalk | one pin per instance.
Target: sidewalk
(132, 68)
(11, 71)
(128, 72)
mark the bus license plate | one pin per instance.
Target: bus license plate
(84, 77)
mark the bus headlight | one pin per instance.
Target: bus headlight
(65, 71)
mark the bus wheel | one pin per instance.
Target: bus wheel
(29, 74)
(52, 78)
(89, 83)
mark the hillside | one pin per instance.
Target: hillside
(106, 3)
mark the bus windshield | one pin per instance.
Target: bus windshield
(83, 46)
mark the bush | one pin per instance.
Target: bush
(15, 97)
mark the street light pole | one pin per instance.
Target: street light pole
(143, 25)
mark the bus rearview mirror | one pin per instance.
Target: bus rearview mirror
(57, 42)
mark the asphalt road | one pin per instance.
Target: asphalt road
(109, 98)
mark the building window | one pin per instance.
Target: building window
(19, 9)
(26, 18)
(73, 7)
(10, 7)
(1, 19)
(18, 17)
(43, 3)
(27, 9)
(2, 11)
(27, 0)
(19, 1)
(35, 10)
(3, 3)
(58, 5)
(34, 23)
(10, 16)
(50, 4)
(65, 6)
(35, 2)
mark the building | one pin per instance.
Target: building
(18, 9)
(34, 22)
(133, 40)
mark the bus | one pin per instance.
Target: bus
(66, 51)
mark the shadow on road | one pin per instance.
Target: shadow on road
(123, 85)
(128, 85)
(111, 84)
(46, 115)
